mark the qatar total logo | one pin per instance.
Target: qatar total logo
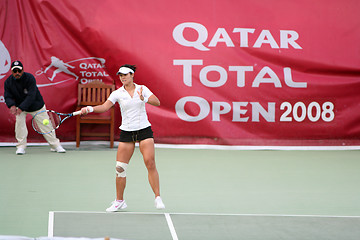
(83, 70)
(5, 60)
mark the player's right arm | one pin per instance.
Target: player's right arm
(97, 109)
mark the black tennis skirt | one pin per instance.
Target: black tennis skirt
(136, 136)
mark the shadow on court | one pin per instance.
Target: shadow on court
(202, 226)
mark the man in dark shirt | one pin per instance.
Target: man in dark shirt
(23, 97)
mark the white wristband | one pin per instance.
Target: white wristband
(90, 109)
(146, 99)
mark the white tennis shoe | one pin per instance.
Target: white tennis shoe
(116, 206)
(58, 149)
(20, 151)
(159, 203)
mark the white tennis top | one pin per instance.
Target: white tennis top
(133, 111)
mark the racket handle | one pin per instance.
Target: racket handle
(76, 113)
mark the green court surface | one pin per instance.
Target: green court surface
(238, 191)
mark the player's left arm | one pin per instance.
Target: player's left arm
(146, 95)
(153, 100)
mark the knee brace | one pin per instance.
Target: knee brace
(121, 169)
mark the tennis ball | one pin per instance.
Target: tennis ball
(46, 122)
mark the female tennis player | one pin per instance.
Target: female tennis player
(135, 127)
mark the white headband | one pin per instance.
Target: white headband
(125, 70)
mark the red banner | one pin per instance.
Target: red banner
(226, 72)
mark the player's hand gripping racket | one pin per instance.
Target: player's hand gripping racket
(48, 121)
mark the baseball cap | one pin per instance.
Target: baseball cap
(124, 70)
(16, 64)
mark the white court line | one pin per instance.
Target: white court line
(234, 147)
(51, 225)
(265, 215)
(214, 214)
(204, 146)
(103, 212)
(171, 226)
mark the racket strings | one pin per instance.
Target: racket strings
(40, 127)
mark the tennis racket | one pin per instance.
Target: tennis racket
(48, 121)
